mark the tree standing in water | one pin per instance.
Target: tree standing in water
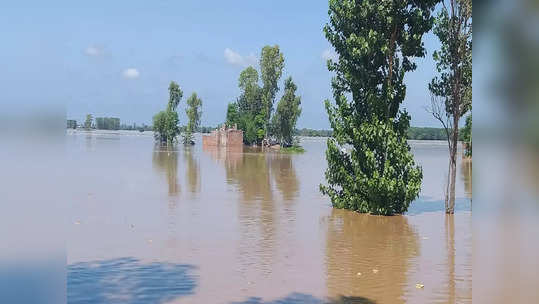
(286, 115)
(370, 166)
(193, 115)
(88, 121)
(165, 123)
(271, 70)
(451, 90)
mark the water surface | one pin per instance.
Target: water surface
(185, 225)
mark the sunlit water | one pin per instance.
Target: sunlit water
(186, 225)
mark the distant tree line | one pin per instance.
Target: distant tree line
(107, 123)
(414, 133)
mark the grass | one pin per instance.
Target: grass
(293, 149)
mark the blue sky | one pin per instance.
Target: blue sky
(116, 58)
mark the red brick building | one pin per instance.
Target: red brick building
(223, 137)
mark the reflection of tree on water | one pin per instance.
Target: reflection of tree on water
(360, 243)
(251, 176)
(192, 173)
(255, 175)
(450, 243)
(165, 159)
(466, 173)
(284, 175)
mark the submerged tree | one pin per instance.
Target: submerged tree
(467, 136)
(453, 85)
(287, 113)
(252, 111)
(370, 166)
(193, 115)
(165, 123)
(271, 69)
(88, 121)
(232, 115)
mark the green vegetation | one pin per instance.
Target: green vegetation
(107, 123)
(286, 115)
(466, 133)
(451, 89)
(247, 113)
(313, 132)
(271, 68)
(193, 115)
(165, 123)
(418, 133)
(88, 121)
(292, 149)
(141, 128)
(253, 109)
(375, 42)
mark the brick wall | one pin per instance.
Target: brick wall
(223, 138)
(234, 138)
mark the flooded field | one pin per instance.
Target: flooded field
(187, 225)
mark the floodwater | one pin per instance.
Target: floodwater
(187, 225)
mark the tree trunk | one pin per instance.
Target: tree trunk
(450, 206)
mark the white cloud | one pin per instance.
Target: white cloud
(328, 54)
(93, 51)
(131, 73)
(237, 59)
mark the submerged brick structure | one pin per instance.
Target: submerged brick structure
(223, 137)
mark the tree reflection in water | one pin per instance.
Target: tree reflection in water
(165, 159)
(256, 176)
(379, 248)
(193, 169)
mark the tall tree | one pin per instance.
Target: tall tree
(232, 115)
(193, 115)
(271, 70)
(250, 98)
(88, 121)
(452, 87)
(165, 123)
(370, 166)
(287, 113)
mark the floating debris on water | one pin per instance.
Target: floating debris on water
(375, 271)
(419, 286)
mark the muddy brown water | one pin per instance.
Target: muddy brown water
(187, 225)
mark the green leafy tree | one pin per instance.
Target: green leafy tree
(451, 89)
(193, 115)
(232, 115)
(250, 99)
(287, 113)
(467, 136)
(165, 123)
(271, 69)
(88, 121)
(370, 166)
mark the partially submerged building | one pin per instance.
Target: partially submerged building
(223, 137)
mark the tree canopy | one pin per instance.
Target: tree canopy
(165, 123)
(252, 111)
(370, 166)
(287, 113)
(193, 115)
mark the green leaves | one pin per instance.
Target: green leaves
(165, 123)
(193, 115)
(376, 42)
(287, 113)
